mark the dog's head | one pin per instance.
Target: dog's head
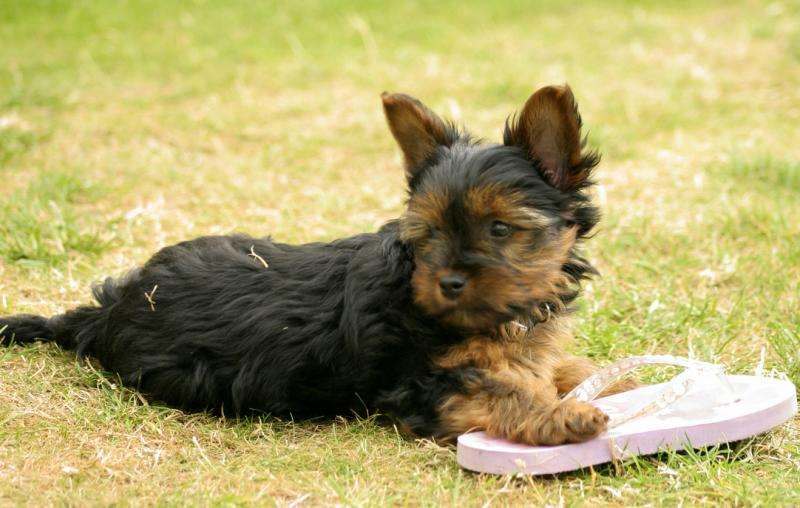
(493, 227)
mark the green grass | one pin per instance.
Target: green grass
(130, 125)
(42, 224)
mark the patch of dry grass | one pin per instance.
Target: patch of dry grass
(128, 127)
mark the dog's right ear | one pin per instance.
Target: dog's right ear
(549, 130)
(417, 129)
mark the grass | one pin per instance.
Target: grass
(42, 224)
(128, 126)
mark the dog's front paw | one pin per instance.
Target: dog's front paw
(570, 421)
(582, 421)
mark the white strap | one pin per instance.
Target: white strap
(671, 393)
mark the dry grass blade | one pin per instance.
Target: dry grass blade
(257, 257)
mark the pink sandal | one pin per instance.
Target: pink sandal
(700, 407)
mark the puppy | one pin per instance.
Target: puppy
(450, 318)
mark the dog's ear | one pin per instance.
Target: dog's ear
(549, 130)
(417, 129)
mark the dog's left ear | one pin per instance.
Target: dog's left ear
(549, 130)
(417, 129)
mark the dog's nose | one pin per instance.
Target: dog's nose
(452, 285)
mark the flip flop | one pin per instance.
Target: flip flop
(699, 407)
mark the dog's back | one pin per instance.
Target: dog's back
(226, 323)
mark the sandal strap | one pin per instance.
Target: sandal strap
(673, 391)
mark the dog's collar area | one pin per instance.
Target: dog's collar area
(522, 327)
(545, 309)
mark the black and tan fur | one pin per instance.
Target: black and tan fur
(452, 317)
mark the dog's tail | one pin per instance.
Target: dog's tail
(76, 329)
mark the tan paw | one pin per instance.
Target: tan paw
(582, 421)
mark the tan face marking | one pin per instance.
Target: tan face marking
(503, 205)
(424, 214)
(511, 274)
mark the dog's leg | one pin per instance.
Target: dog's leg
(497, 387)
(521, 408)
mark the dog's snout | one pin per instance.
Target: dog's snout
(452, 285)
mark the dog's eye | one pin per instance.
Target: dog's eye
(500, 229)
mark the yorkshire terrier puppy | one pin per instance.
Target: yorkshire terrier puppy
(449, 319)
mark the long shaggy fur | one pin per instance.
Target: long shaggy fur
(236, 325)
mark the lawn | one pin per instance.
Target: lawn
(130, 125)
